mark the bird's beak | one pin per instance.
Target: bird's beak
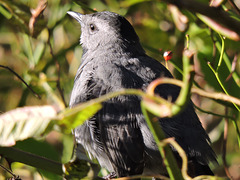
(76, 16)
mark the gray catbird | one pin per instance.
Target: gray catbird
(118, 136)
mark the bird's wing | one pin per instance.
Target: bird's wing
(186, 127)
(119, 130)
(83, 83)
(114, 128)
(122, 138)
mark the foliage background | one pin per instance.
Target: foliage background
(55, 41)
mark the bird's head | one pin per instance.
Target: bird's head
(105, 29)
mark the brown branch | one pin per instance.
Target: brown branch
(216, 14)
(19, 77)
(42, 4)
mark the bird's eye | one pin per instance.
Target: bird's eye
(92, 27)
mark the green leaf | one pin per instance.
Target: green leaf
(28, 50)
(23, 123)
(39, 51)
(41, 148)
(5, 13)
(71, 118)
(128, 3)
(68, 144)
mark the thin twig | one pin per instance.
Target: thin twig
(211, 113)
(9, 171)
(19, 77)
(60, 90)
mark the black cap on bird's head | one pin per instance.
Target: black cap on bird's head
(105, 28)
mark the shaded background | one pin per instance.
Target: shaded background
(53, 51)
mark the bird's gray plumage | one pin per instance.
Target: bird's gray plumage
(117, 135)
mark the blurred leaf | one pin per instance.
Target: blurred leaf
(20, 13)
(71, 118)
(4, 12)
(84, 6)
(27, 47)
(57, 13)
(38, 52)
(180, 20)
(219, 28)
(128, 3)
(23, 123)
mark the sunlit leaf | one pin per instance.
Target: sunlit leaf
(71, 118)
(23, 123)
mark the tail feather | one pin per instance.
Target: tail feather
(197, 169)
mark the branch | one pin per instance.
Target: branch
(19, 77)
(10, 172)
(211, 95)
(31, 159)
(182, 154)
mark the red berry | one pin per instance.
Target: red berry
(167, 55)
